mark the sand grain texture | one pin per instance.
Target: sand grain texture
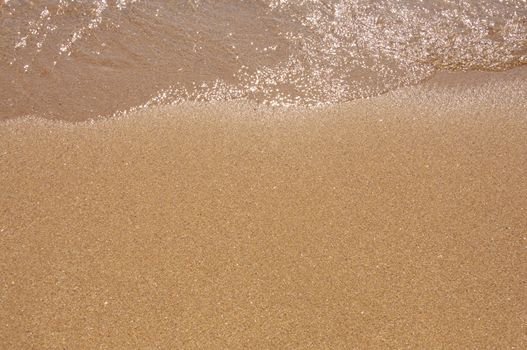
(394, 222)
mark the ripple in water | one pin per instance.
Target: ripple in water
(79, 59)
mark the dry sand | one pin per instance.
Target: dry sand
(395, 222)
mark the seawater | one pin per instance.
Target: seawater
(75, 60)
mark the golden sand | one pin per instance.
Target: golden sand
(399, 221)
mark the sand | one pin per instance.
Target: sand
(394, 222)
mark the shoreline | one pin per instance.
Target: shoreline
(437, 81)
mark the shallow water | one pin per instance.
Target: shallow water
(79, 59)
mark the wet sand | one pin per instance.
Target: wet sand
(398, 221)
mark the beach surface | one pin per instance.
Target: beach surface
(398, 221)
